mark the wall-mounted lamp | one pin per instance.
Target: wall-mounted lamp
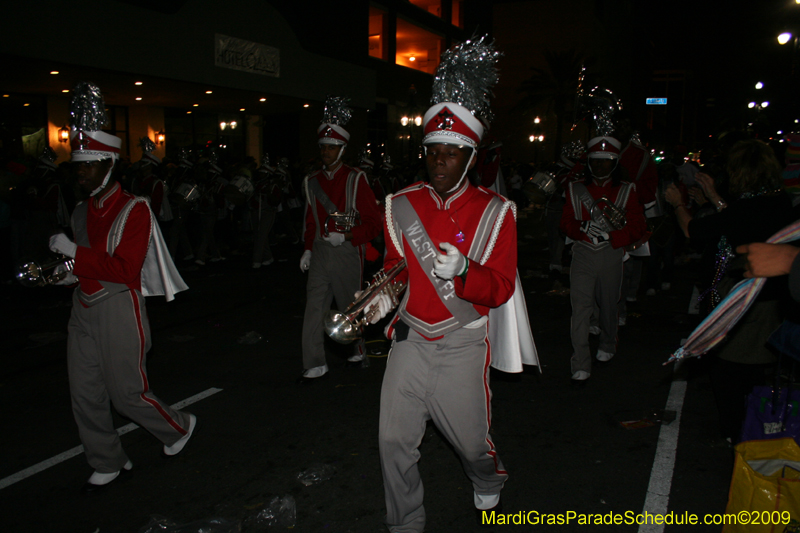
(160, 137)
(63, 134)
(404, 120)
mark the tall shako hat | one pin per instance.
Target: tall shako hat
(461, 90)
(87, 116)
(147, 146)
(265, 167)
(603, 147)
(387, 163)
(183, 158)
(213, 167)
(364, 162)
(572, 152)
(48, 158)
(337, 113)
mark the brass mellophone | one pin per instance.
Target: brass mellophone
(342, 222)
(608, 213)
(345, 327)
(31, 273)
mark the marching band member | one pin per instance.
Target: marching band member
(264, 205)
(334, 258)
(459, 242)
(598, 252)
(151, 184)
(116, 242)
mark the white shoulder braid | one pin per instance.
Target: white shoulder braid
(498, 223)
(390, 225)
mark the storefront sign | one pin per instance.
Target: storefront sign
(656, 101)
(238, 54)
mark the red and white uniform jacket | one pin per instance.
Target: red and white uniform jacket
(490, 248)
(99, 271)
(576, 211)
(334, 185)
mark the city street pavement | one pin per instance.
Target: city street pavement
(564, 447)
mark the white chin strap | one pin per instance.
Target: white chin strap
(464, 175)
(603, 178)
(338, 156)
(466, 168)
(108, 176)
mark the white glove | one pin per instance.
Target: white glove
(61, 244)
(336, 239)
(450, 264)
(305, 261)
(68, 279)
(594, 232)
(382, 302)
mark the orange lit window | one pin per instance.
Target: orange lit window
(417, 48)
(377, 33)
(434, 7)
(458, 13)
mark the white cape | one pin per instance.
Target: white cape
(160, 277)
(510, 334)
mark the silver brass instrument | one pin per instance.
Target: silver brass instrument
(342, 222)
(344, 327)
(608, 214)
(32, 274)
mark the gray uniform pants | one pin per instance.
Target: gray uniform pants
(595, 276)
(555, 239)
(447, 381)
(334, 274)
(106, 364)
(263, 221)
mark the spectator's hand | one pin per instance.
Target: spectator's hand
(767, 260)
(709, 189)
(673, 195)
(696, 194)
(336, 239)
(450, 264)
(61, 244)
(305, 261)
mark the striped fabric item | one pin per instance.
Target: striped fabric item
(720, 321)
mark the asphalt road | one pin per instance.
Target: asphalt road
(564, 447)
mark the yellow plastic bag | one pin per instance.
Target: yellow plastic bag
(765, 486)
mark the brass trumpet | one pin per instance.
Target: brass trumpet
(342, 222)
(32, 274)
(344, 327)
(608, 213)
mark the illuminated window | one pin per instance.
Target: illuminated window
(378, 23)
(417, 48)
(434, 7)
(458, 13)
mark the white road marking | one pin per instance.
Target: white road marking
(657, 500)
(69, 454)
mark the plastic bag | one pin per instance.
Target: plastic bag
(160, 524)
(765, 481)
(281, 512)
(316, 473)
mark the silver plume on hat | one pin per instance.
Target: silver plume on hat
(49, 154)
(265, 160)
(87, 110)
(337, 111)
(147, 145)
(466, 75)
